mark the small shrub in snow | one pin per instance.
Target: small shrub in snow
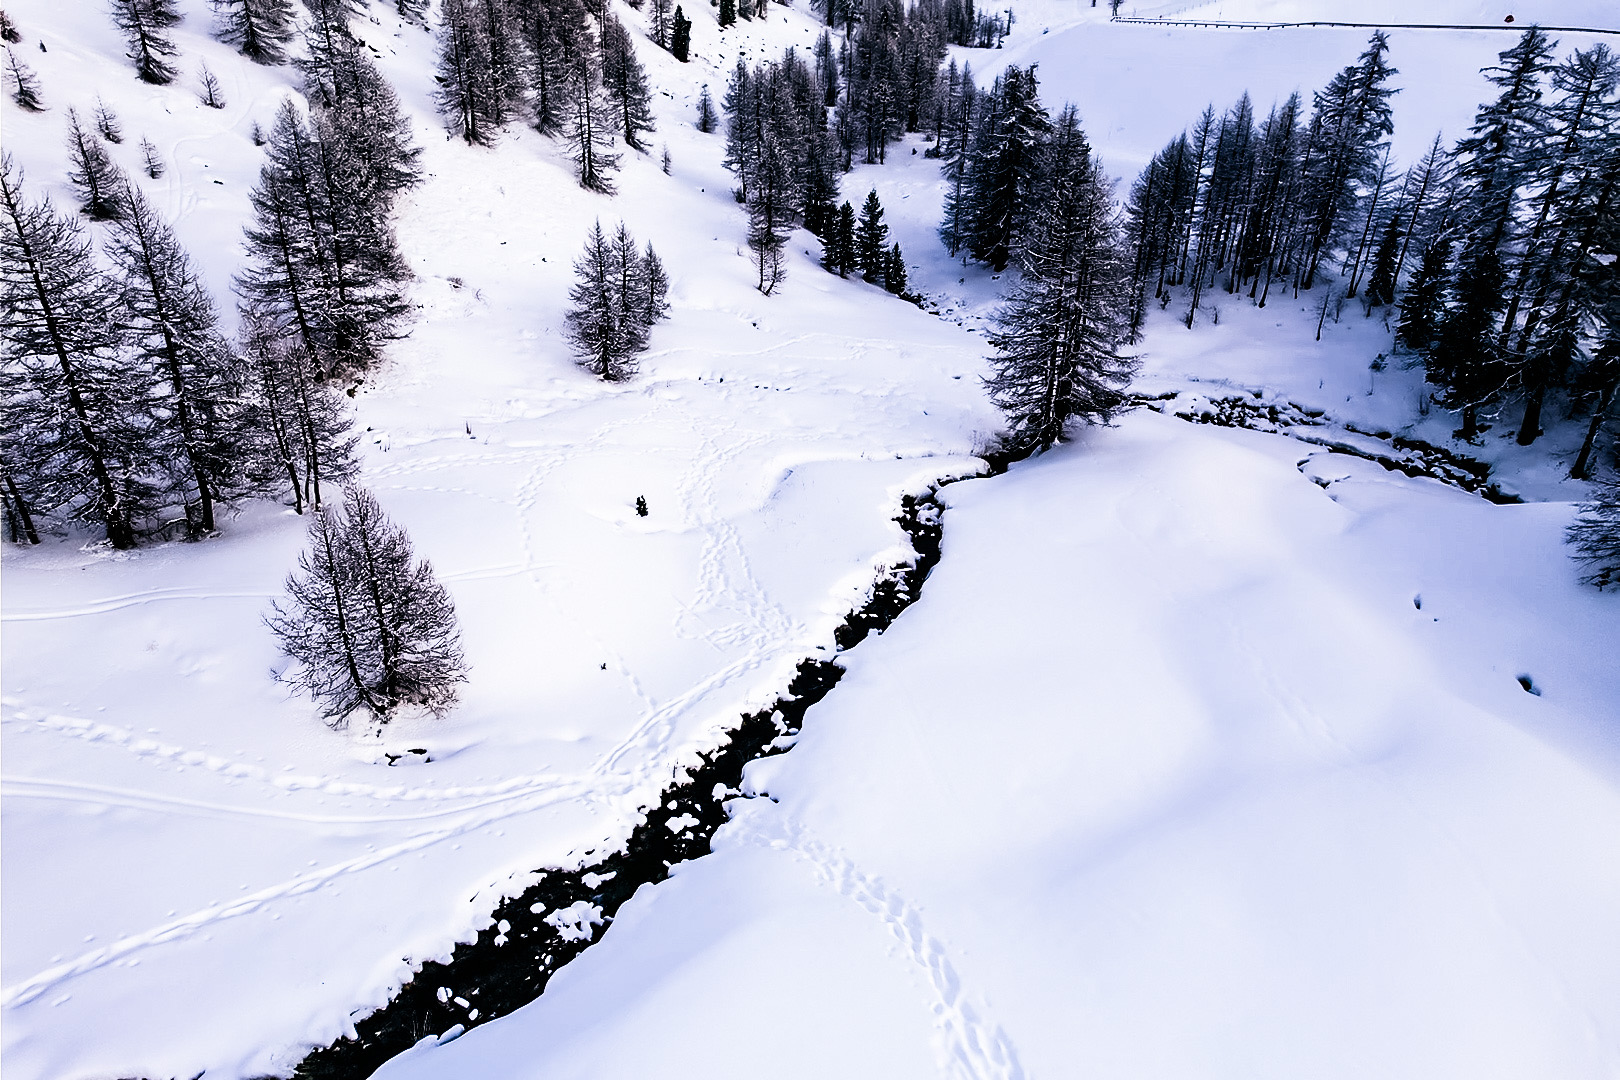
(107, 125)
(211, 96)
(151, 160)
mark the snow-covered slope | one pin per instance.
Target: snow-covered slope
(174, 821)
(199, 876)
(1183, 766)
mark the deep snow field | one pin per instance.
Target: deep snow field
(1204, 753)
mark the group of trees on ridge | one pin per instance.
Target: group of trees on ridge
(568, 70)
(1515, 231)
(1498, 252)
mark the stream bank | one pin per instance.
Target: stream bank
(535, 933)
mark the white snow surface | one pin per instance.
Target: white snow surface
(1166, 775)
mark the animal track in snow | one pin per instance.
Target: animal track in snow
(973, 1046)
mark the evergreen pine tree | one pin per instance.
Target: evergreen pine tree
(871, 238)
(591, 122)
(894, 272)
(728, 13)
(466, 95)
(820, 183)
(1464, 361)
(260, 29)
(173, 333)
(1003, 169)
(654, 307)
(707, 121)
(20, 526)
(838, 247)
(1599, 384)
(620, 294)
(143, 23)
(631, 293)
(23, 84)
(626, 83)
(95, 179)
(1421, 305)
(1558, 286)
(74, 439)
(1595, 536)
(1429, 183)
(151, 160)
(605, 346)
(300, 431)
(745, 125)
(680, 38)
(505, 57)
(323, 260)
(1381, 285)
(659, 13)
(212, 94)
(1494, 163)
(1060, 331)
(1352, 117)
(827, 69)
(8, 30)
(772, 206)
(360, 111)
(960, 115)
(370, 626)
(553, 33)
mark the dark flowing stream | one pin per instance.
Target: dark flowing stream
(510, 963)
(1397, 453)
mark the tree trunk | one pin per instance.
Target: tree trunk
(1584, 459)
(1531, 427)
(22, 522)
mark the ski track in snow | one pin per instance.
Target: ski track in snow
(187, 925)
(114, 603)
(974, 1046)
